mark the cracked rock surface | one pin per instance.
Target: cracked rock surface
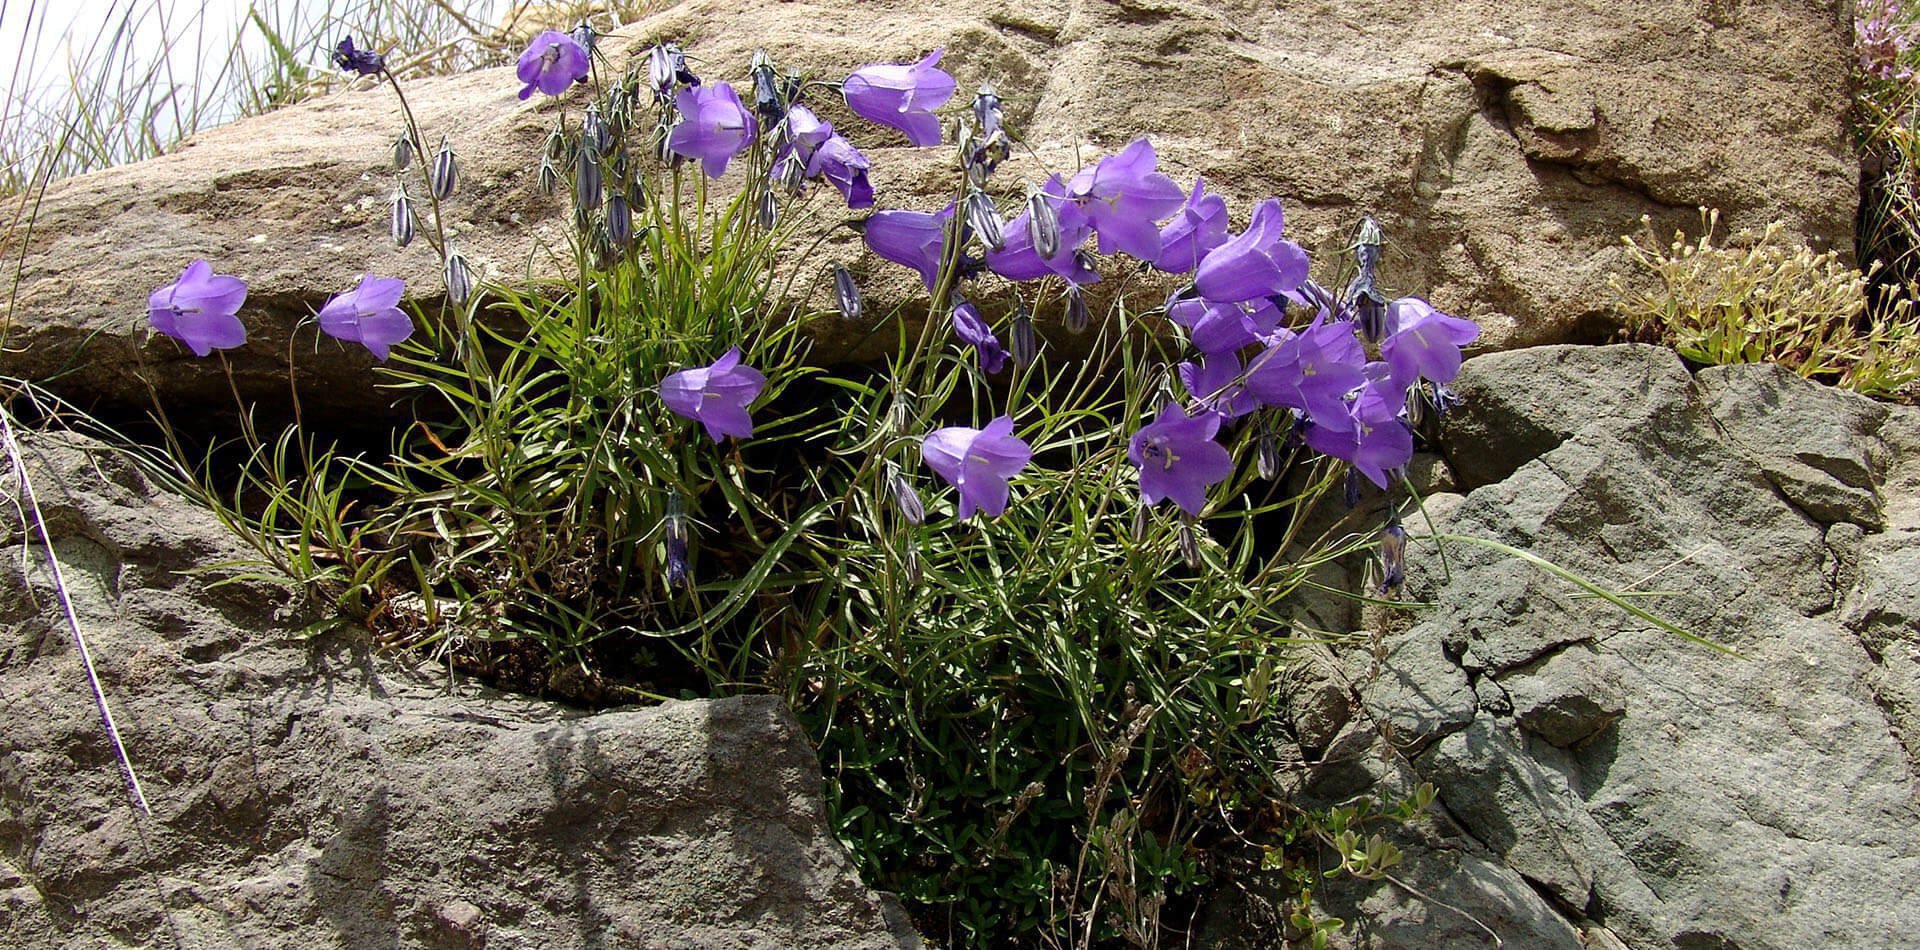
(1601, 780)
(308, 794)
(1505, 149)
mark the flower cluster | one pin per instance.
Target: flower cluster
(1883, 38)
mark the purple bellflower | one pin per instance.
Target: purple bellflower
(1372, 437)
(1312, 372)
(1215, 381)
(902, 96)
(913, 238)
(1257, 263)
(978, 462)
(1423, 342)
(369, 315)
(1125, 199)
(552, 63)
(798, 135)
(1178, 458)
(1224, 327)
(1199, 227)
(845, 168)
(713, 126)
(973, 330)
(364, 62)
(716, 396)
(199, 309)
(1018, 258)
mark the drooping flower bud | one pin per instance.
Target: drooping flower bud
(660, 72)
(443, 174)
(1043, 225)
(1366, 250)
(549, 177)
(619, 220)
(984, 220)
(768, 103)
(459, 280)
(1026, 344)
(585, 35)
(905, 499)
(675, 529)
(402, 153)
(1369, 310)
(401, 226)
(846, 293)
(1267, 453)
(1393, 557)
(766, 211)
(1189, 545)
(593, 131)
(587, 182)
(1139, 522)
(1077, 315)
(1353, 488)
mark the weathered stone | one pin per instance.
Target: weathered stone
(1823, 456)
(314, 795)
(1418, 691)
(1567, 697)
(1504, 149)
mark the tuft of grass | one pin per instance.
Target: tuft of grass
(1756, 298)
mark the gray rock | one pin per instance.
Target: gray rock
(1567, 697)
(314, 795)
(1823, 455)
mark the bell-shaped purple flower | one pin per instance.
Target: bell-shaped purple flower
(1178, 458)
(913, 238)
(1372, 436)
(1199, 227)
(1217, 382)
(716, 396)
(1125, 199)
(369, 315)
(553, 62)
(1018, 259)
(714, 126)
(973, 330)
(902, 95)
(1257, 263)
(845, 168)
(1312, 372)
(1223, 327)
(978, 462)
(200, 309)
(1424, 343)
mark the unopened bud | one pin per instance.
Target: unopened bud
(1267, 453)
(619, 220)
(1393, 557)
(675, 528)
(402, 153)
(846, 293)
(401, 225)
(1026, 344)
(443, 174)
(1077, 315)
(1189, 545)
(587, 183)
(905, 499)
(1043, 225)
(984, 220)
(459, 280)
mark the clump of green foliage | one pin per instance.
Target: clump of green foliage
(1758, 298)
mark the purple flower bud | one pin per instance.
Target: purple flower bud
(552, 63)
(594, 133)
(1043, 225)
(984, 220)
(1267, 453)
(1393, 557)
(401, 225)
(902, 96)
(978, 462)
(369, 315)
(846, 293)
(1366, 251)
(200, 309)
(1189, 545)
(716, 396)
(549, 177)
(663, 61)
(585, 35)
(459, 280)
(1065, 225)
(1352, 492)
(402, 153)
(619, 220)
(1077, 314)
(1178, 458)
(905, 499)
(587, 180)
(768, 101)
(1369, 310)
(713, 127)
(1026, 344)
(1258, 263)
(359, 61)
(674, 527)
(443, 174)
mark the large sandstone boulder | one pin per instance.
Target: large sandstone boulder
(1504, 147)
(311, 795)
(1603, 782)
